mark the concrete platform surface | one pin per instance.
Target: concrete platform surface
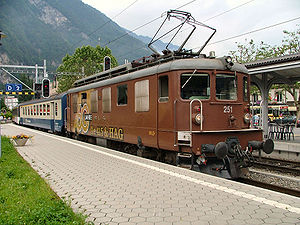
(116, 188)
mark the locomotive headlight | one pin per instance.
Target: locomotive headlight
(247, 118)
(198, 118)
(228, 59)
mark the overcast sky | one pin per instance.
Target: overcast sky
(249, 16)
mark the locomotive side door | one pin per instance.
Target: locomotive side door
(165, 120)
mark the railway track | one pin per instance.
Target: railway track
(275, 165)
(270, 186)
(273, 174)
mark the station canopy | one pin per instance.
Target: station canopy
(264, 73)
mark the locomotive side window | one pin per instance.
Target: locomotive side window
(245, 88)
(226, 87)
(74, 102)
(141, 93)
(195, 86)
(94, 101)
(106, 100)
(163, 87)
(122, 94)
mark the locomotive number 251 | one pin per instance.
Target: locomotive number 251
(227, 109)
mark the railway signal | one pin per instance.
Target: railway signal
(46, 88)
(107, 63)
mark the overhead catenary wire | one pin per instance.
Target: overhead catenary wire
(253, 31)
(145, 24)
(239, 35)
(229, 10)
(220, 14)
(109, 21)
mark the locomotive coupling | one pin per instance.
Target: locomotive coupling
(220, 149)
(267, 146)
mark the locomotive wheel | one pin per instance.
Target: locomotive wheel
(170, 158)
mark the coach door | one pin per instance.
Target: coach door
(165, 114)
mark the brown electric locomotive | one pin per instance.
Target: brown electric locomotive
(180, 107)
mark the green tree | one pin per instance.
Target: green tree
(251, 52)
(86, 60)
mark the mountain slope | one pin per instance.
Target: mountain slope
(158, 45)
(49, 29)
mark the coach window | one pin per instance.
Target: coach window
(94, 101)
(41, 109)
(44, 109)
(48, 109)
(195, 86)
(163, 85)
(74, 102)
(226, 87)
(245, 89)
(122, 94)
(106, 100)
(141, 93)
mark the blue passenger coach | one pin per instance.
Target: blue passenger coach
(48, 114)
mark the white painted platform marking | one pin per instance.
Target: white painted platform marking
(184, 177)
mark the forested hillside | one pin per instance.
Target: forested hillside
(49, 29)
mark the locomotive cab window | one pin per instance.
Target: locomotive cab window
(122, 94)
(245, 89)
(226, 87)
(163, 85)
(195, 86)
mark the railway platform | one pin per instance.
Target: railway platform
(116, 188)
(286, 149)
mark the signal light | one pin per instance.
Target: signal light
(107, 62)
(46, 88)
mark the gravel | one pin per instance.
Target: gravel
(274, 178)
